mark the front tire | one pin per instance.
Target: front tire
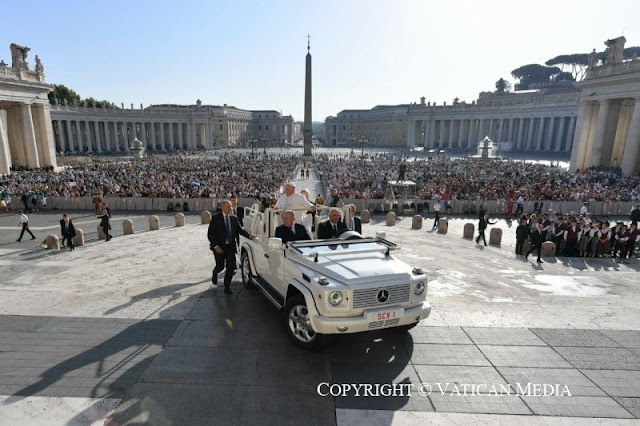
(298, 325)
(245, 269)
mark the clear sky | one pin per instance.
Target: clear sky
(251, 54)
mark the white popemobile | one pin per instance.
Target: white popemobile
(335, 286)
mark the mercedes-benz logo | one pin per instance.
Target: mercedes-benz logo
(383, 296)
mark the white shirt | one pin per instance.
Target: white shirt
(24, 218)
(436, 207)
(584, 209)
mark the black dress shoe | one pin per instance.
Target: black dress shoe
(33, 238)
(227, 290)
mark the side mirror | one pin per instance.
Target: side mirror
(274, 244)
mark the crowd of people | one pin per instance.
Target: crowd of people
(475, 179)
(166, 176)
(579, 234)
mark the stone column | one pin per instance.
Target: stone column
(560, 134)
(44, 134)
(29, 134)
(632, 143)
(5, 154)
(450, 135)
(549, 138)
(96, 129)
(570, 133)
(107, 136)
(492, 124)
(598, 138)
(172, 138)
(581, 136)
(79, 135)
(530, 134)
(510, 134)
(61, 135)
(162, 134)
(540, 134)
(518, 144)
(471, 136)
(143, 130)
(69, 135)
(432, 132)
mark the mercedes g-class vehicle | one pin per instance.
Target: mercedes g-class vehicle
(343, 285)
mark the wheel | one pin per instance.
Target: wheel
(245, 269)
(296, 319)
(405, 328)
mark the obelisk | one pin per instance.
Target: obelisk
(307, 131)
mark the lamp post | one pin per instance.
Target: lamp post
(264, 144)
(363, 141)
(253, 146)
(352, 140)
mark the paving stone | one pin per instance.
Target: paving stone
(207, 308)
(190, 404)
(576, 406)
(571, 337)
(376, 352)
(616, 382)
(241, 333)
(578, 383)
(443, 374)
(440, 335)
(626, 338)
(432, 354)
(503, 336)
(523, 356)
(9, 323)
(489, 404)
(403, 398)
(600, 358)
(202, 365)
(631, 404)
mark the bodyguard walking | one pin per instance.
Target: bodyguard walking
(482, 225)
(68, 231)
(24, 222)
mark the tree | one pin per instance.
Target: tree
(563, 76)
(63, 94)
(533, 74)
(503, 86)
(575, 64)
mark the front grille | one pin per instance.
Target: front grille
(368, 298)
(386, 323)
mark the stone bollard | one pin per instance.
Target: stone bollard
(179, 220)
(365, 216)
(78, 240)
(443, 226)
(127, 226)
(154, 223)
(381, 234)
(548, 249)
(391, 219)
(469, 230)
(416, 223)
(52, 242)
(101, 234)
(495, 236)
(205, 217)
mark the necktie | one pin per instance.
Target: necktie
(335, 230)
(227, 225)
(235, 213)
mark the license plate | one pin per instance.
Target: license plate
(386, 314)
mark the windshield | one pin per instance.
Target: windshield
(340, 247)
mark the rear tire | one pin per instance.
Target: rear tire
(298, 325)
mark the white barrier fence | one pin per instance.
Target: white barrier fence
(494, 207)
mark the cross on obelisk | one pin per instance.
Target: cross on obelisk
(307, 131)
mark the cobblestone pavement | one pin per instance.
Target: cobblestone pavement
(130, 329)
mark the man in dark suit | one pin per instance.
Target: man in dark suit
(356, 223)
(291, 231)
(482, 225)
(68, 231)
(223, 229)
(237, 212)
(537, 238)
(333, 227)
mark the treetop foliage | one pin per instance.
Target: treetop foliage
(64, 95)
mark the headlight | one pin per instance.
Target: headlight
(420, 286)
(335, 298)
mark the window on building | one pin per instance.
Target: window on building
(221, 127)
(266, 127)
